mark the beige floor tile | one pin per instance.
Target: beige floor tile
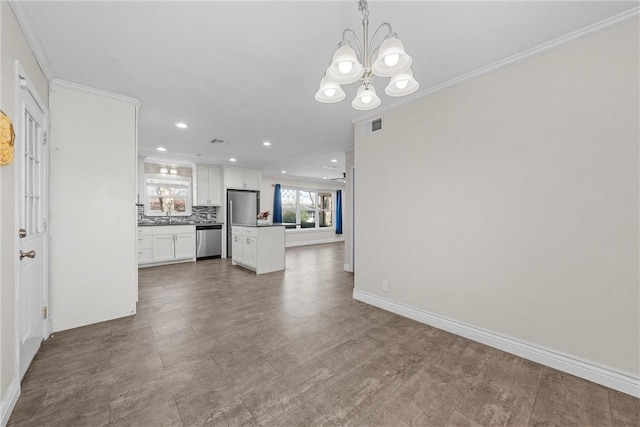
(352, 399)
(567, 400)
(299, 351)
(382, 417)
(162, 413)
(625, 409)
(430, 396)
(272, 400)
(304, 415)
(234, 414)
(459, 420)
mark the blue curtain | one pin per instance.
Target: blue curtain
(277, 204)
(339, 212)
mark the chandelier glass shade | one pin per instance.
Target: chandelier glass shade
(348, 66)
(329, 91)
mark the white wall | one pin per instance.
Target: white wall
(13, 45)
(299, 237)
(515, 198)
(93, 214)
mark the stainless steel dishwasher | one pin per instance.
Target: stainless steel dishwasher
(208, 241)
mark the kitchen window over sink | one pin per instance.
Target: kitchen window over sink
(167, 190)
(308, 208)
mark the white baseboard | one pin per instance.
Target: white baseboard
(347, 267)
(313, 242)
(580, 368)
(7, 405)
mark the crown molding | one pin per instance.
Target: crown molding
(100, 92)
(32, 40)
(560, 41)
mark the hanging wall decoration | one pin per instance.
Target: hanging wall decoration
(7, 137)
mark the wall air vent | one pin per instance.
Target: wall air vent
(217, 141)
(372, 126)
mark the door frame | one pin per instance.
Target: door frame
(21, 83)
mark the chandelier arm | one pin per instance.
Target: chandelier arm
(384, 24)
(349, 31)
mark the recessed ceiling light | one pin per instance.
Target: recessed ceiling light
(324, 177)
(283, 171)
(266, 143)
(182, 125)
(334, 160)
(232, 159)
(161, 149)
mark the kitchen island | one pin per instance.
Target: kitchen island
(260, 248)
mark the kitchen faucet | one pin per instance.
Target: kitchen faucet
(169, 208)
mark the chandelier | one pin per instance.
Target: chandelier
(387, 60)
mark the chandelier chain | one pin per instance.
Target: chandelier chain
(363, 7)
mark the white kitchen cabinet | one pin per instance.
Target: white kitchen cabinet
(247, 179)
(261, 249)
(208, 186)
(237, 248)
(163, 247)
(250, 252)
(166, 244)
(252, 179)
(144, 245)
(244, 247)
(185, 245)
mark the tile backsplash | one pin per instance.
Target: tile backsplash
(204, 213)
(198, 214)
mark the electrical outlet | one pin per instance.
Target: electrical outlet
(385, 286)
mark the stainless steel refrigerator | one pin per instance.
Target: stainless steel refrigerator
(242, 209)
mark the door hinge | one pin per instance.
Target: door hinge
(45, 137)
(45, 313)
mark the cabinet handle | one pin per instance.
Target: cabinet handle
(30, 254)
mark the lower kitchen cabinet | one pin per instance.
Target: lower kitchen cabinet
(168, 243)
(185, 245)
(145, 245)
(243, 248)
(261, 249)
(163, 247)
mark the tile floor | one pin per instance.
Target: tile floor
(213, 344)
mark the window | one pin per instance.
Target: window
(307, 208)
(167, 192)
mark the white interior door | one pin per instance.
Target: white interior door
(31, 161)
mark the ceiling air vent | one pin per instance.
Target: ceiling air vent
(372, 126)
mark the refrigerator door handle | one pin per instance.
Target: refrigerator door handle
(231, 212)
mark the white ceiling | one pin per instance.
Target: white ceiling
(247, 72)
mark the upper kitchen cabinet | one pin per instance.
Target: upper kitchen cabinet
(246, 179)
(208, 185)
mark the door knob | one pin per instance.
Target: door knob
(30, 254)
